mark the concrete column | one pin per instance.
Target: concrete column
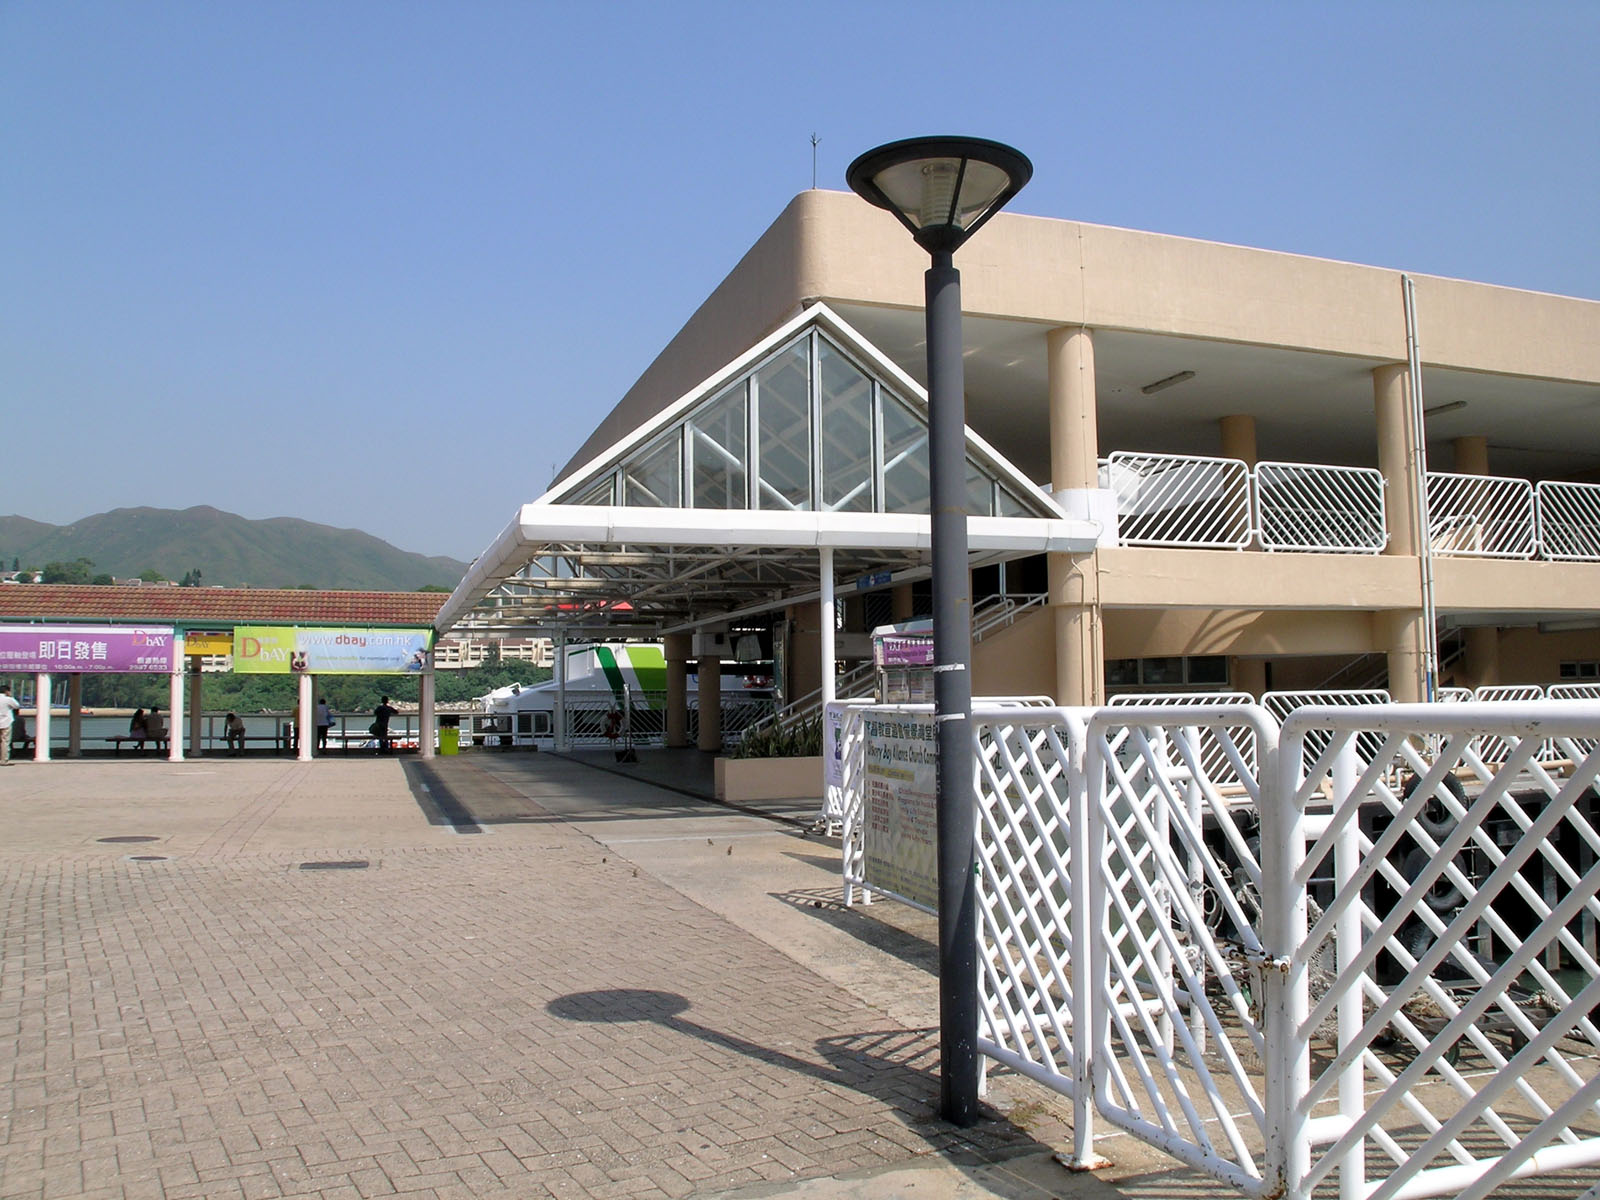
(180, 666)
(827, 659)
(75, 716)
(426, 725)
(305, 721)
(1399, 633)
(901, 603)
(1239, 438)
(1396, 456)
(710, 703)
(677, 647)
(1075, 464)
(196, 707)
(1248, 675)
(1472, 455)
(41, 717)
(1480, 661)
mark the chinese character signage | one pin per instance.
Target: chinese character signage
(899, 842)
(282, 649)
(85, 649)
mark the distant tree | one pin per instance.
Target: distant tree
(191, 578)
(434, 587)
(102, 580)
(79, 570)
(15, 564)
(305, 587)
(151, 575)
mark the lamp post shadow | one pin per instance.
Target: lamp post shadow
(897, 1067)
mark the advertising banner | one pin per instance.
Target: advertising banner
(899, 843)
(207, 641)
(85, 649)
(285, 649)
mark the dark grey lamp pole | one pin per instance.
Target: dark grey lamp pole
(942, 189)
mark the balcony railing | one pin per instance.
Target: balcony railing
(1190, 502)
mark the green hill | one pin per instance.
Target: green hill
(228, 550)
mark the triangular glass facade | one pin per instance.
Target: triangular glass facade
(808, 427)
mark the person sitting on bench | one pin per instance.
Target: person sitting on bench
(155, 728)
(138, 729)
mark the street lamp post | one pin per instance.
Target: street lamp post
(942, 189)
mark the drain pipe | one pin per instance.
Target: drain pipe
(1429, 670)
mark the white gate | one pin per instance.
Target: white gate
(1344, 948)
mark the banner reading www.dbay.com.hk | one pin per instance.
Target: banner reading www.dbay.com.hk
(282, 649)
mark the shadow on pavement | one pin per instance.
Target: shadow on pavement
(896, 1067)
(860, 923)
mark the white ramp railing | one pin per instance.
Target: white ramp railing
(1569, 520)
(1306, 506)
(1482, 516)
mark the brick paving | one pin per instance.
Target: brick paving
(518, 1013)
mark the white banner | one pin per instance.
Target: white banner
(899, 844)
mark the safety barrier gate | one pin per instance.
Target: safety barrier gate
(1370, 959)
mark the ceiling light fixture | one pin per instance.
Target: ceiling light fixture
(1150, 389)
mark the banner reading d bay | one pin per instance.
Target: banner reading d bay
(355, 650)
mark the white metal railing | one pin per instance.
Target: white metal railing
(1397, 986)
(1569, 520)
(1195, 502)
(1306, 506)
(853, 683)
(1180, 500)
(1481, 516)
(1002, 610)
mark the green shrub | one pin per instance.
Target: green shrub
(802, 739)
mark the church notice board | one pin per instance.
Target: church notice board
(899, 847)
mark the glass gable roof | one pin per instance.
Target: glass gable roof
(808, 427)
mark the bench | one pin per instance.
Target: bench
(116, 740)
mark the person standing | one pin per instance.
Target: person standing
(9, 708)
(380, 723)
(324, 723)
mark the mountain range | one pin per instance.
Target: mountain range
(228, 550)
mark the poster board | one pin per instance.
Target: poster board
(899, 835)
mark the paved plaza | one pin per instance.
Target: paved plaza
(498, 975)
(495, 975)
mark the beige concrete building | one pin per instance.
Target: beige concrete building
(1235, 429)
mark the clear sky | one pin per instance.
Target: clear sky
(384, 265)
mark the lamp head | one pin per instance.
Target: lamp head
(940, 188)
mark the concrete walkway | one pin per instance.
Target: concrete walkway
(503, 975)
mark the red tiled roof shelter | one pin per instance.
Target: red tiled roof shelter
(214, 606)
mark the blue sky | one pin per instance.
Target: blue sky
(385, 265)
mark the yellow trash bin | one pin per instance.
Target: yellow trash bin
(449, 740)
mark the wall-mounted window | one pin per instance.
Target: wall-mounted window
(1580, 670)
(1197, 672)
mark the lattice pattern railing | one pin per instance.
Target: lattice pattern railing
(1305, 506)
(1213, 754)
(1481, 516)
(1181, 500)
(1444, 988)
(1025, 856)
(1358, 966)
(1282, 704)
(1177, 1017)
(1569, 520)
